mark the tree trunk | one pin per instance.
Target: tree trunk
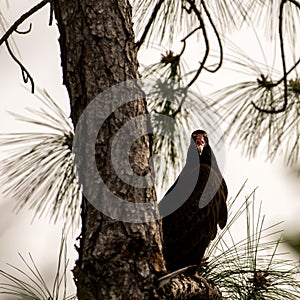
(117, 260)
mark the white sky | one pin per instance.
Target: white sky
(278, 189)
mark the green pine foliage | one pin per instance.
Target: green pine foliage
(27, 282)
(258, 266)
(38, 169)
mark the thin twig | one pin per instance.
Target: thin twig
(51, 13)
(295, 3)
(284, 78)
(178, 110)
(26, 75)
(26, 31)
(185, 38)
(298, 61)
(22, 19)
(202, 63)
(149, 24)
(218, 39)
(288, 72)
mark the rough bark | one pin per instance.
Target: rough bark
(117, 260)
(184, 287)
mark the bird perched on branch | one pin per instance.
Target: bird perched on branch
(194, 206)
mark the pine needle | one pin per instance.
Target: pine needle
(38, 171)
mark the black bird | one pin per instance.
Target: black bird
(194, 206)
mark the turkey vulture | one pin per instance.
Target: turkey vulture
(193, 207)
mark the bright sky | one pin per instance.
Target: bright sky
(278, 189)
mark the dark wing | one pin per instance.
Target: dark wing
(188, 231)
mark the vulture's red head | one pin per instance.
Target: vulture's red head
(201, 140)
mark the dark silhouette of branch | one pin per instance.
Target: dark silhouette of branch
(218, 39)
(19, 21)
(288, 72)
(298, 61)
(51, 13)
(202, 25)
(149, 24)
(26, 31)
(185, 38)
(295, 3)
(14, 28)
(26, 75)
(184, 90)
(284, 78)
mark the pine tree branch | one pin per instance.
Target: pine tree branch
(149, 24)
(218, 39)
(202, 25)
(295, 3)
(14, 28)
(285, 72)
(25, 74)
(190, 287)
(19, 21)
